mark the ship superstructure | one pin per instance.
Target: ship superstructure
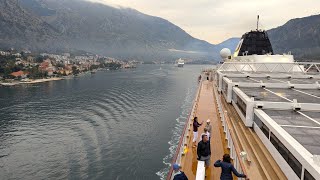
(280, 99)
(269, 109)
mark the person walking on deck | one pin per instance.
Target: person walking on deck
(178, 174)
(209, 127)
(206, 132)
(227, 168)
(196, 124)
(204, 151)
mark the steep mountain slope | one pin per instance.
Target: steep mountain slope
(229, 43)
(68, 25)
(301, 36)
(21, 29)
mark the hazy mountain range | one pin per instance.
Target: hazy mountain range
(80, 26)
(73, 25)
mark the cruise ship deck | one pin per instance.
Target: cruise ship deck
(229, 135)
(264, 108)
(269, 125)
(283, 110)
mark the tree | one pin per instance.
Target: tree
(75, 70)
(39, 59)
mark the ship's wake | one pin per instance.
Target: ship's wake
(176, 132)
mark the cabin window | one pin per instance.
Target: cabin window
(265, 130)
(308, 176)
(234, 97)
(224, 87)
(295, 165)
(286, 154)
(261, 125)
(274, 140)
(283, 151)
(258, 121)
(242, 106)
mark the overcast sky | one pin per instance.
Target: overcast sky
(218, 20)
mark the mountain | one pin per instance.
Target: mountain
(18, 27)
(229, 43)
(77, 25)
(301, 36)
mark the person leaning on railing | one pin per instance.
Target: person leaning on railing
(227, 168)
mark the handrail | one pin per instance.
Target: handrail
(178, 150)
(303, 67)
(183, 136)
(235, 143)
(244, 62)
(226, 120)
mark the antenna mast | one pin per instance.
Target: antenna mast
(258, 23)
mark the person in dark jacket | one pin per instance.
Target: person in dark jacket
(196, 124)
(178, 175)
(204, 151)
(227, 168)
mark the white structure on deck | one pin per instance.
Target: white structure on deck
(280, 100)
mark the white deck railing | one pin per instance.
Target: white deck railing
(234, 152)
(293, 67)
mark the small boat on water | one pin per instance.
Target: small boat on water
(180, 63)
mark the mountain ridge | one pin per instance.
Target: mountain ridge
(301, 36)
(97, 28)
(80, 26)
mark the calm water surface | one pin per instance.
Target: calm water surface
(111, 125)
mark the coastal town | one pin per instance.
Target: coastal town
(26, 67)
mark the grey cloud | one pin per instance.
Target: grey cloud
(217, 20)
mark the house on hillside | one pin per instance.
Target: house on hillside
(20, 74)
(46, 66)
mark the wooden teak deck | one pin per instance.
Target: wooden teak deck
(262, 165)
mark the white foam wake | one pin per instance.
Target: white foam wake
(176, 132)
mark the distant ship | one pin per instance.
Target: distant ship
(180, 62)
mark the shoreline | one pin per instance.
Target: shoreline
(31, 82)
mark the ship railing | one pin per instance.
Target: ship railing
(287, 67)
(235, 152)
(186, 134)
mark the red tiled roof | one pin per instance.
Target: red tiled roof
(19, 73)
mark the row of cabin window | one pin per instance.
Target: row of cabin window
(240, 103)
(224, 87)
(285, 153)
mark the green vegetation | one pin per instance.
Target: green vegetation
(8, 66)
(75, 70)
(35, 73)
(112, 65)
